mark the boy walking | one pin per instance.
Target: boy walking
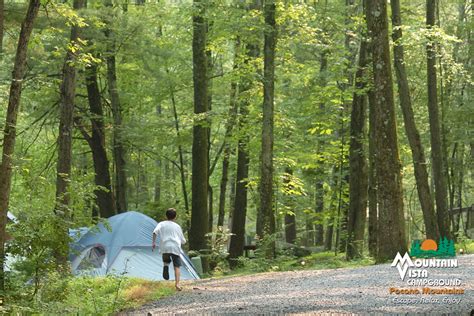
(171, 238)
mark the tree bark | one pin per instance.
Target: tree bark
(388, 166)
(66, 124)
(266, 179)
(104, 196)
(290, 219)
(232, 117)
(231, 204)
(158, 164)
(372, 183)
(182, 167)
(9, 131)
(223, 186)
(418, 154)
(437, 156)
(237, 240)
(319, 208)
(118, 146)
(200, 179)
(357, 163)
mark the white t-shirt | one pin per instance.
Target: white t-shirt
(171, 237)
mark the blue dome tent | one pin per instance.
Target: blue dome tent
(122, 246)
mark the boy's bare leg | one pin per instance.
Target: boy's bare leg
(177, 274)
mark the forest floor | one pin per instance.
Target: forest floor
(348, 290)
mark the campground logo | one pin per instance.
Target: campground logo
(416, 269)
(428, 249)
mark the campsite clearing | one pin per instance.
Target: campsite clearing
(357, 290)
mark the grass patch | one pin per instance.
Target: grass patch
(315, 261)
(465, 244)
(139, 292)
(87, 296)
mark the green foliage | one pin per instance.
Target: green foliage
(88, 295)
(217, 254)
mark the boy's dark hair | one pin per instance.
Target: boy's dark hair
(171, 213)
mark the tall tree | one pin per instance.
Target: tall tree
(66, 124)
(418, 154)
(388, 173)
(232, 116)
(96, 140)
(118, 143)
(319, 207)
(182, 165)
(357, 163)
(266, 178)
(200, 178)
(372, 228)
(9, 130)
(437, 156)
(210, 70)
(231, 120)
(237, 240)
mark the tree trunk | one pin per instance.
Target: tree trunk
(290, 219)
(290, 228)
(331, 221)
(104, 197)
(66, 124)
(266, 180)
(238, 213)
(372, 185)
(419, 161)
(231, 204)
(309, 230)
(158, 164)
(223, 186)
(342, 209)
(389, 180)
(232, 116)
(358, 166)
(182, 167)
(437, 156)
(319, 209)
(237, 240)
(328, 234)
(9, 132)
(118, 146)
(210, 69)
(200, 179)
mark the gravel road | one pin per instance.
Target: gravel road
(349, 290)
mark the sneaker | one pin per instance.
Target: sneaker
(166, 273)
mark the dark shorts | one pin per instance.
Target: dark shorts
(167, 257)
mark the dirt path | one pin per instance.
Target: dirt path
(358, 290)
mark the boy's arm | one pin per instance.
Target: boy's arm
(156, 231)
(183, 240)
